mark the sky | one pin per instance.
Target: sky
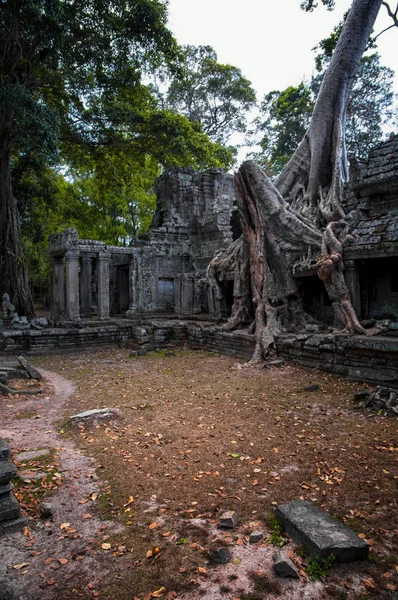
(269, 40)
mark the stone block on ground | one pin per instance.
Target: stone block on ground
(29, 476)
(31, 454)
(278, 363)
(255, 537)
(46, 510)
(229, 519)
(319, 533)
(95, 412)
(220, 556)
(283, 566)
(30, 369)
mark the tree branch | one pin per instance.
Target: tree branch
(393, 15)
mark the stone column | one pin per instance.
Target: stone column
(72, 285)
(103, 285)
(187, 295)
(198, 291)
(351, 274)
(178, 292)
(132, 286)
(58, 287)
(85, 288)
(210, 300)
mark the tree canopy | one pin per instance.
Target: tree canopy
(211, 94)
(71, 95)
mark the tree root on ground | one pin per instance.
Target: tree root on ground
(7, 390)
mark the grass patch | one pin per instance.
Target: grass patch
(318, 568)
(276, 538)
(30, 494)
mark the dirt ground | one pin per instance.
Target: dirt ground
(137, 496)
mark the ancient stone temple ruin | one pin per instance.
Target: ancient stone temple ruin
(157, 292)
(164, 270)
(371, 257)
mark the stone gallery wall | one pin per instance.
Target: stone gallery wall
(372, 359)
(164, 269)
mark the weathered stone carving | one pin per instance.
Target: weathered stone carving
(7, 307)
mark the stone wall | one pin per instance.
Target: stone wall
(372, 359)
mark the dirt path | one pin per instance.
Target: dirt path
(71, 544)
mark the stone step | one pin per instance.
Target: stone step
(319, 533)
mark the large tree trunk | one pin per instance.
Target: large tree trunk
(13, 271)
(302, 213)
(312, 178)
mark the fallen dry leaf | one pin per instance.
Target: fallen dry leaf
(129, 501)
(159, 593)
(20, 566)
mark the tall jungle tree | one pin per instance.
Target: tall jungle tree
(301, 213)
(216, 96)
(55, 57)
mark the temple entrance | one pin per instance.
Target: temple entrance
(316, 302)
(123, 289)
(379, 288)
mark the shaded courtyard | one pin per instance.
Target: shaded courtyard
(192, 435)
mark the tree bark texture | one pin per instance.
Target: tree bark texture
(13, 271)
(301, 214)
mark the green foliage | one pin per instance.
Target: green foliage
(70, 87)
(283, 122)
(276, 538)
(309, 5)
(318, 568)
(212, 95)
